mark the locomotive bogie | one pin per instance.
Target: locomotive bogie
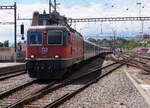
(50, 69)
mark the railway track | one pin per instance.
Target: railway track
(68, 96)
(38, 97)
(133, 60)
(7, 75)
(6, 93)
(12, 69)
(138, 55)
(10, 96)
(8, 72)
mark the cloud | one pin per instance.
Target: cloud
(119, 9)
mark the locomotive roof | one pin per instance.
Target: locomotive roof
(56, 27)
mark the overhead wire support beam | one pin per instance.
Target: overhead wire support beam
(109, 19)
(71, 20)
(7, 7)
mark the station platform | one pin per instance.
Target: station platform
(4, 65)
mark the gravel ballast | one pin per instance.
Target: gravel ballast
(13, 82)
(113, 91)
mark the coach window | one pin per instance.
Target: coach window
(36, 38)
(55, 37)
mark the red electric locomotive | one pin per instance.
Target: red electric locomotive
(50, 49)
(53, 46)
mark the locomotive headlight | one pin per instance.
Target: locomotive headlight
(57, 56)
(32, 56)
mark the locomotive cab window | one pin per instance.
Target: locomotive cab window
(35, 38)
(54, 37)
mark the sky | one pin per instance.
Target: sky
(80, 9)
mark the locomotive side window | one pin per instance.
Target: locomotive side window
(73, 41)
(36, 38)
(54, 37)
(65, 38)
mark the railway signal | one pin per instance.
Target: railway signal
(22, 31)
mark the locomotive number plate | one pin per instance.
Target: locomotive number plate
(44, 50)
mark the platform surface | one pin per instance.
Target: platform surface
(2, 65)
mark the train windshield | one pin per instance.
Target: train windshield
(54, 37)
(36, 38)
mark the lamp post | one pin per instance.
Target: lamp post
(15, 32)
(139, 3)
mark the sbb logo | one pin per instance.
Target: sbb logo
(44, 50)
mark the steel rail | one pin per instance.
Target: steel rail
(39, 94)
(134, 63)
(139, 56)
(133, 60)
(98, 67)
(143, 57)
(12, 75)
(30, 94)
(139, 67)
(10, 91)
(68, 96)
(10, 72)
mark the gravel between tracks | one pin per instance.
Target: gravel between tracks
(13, 82)
(113, 91)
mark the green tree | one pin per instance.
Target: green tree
(92, 40)
(132, 44)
